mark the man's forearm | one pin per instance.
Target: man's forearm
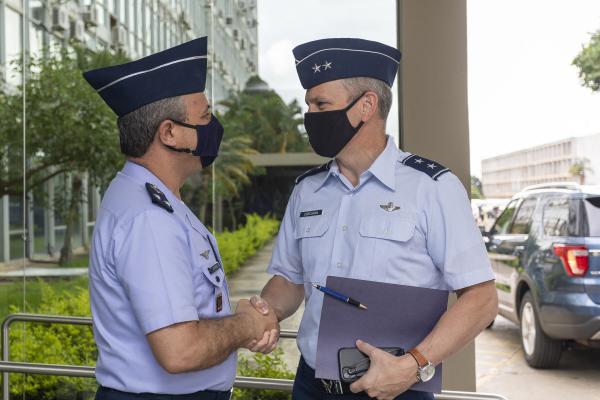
(200, 344)
(475, 308)
(283, 296)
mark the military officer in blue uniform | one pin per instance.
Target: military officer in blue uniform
(376, 213)
(160, 301)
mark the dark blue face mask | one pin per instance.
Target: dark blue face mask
(209, 140)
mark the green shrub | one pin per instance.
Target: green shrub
(263, 366)
(237, 246)
(54, 344)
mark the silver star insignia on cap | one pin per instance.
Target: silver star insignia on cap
(205, 254)
(389, 207)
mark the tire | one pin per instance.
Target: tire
(539, 350)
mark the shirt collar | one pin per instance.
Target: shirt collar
(384, 167)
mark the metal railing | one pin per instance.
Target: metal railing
(78, 371)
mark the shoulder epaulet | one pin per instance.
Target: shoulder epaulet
(314, 171)
(431, 168)
(158, 197)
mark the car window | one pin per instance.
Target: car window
(559, 217)
(503, 221)
(524, 217)
(592, 211)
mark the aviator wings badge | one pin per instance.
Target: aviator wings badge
(205, 254)
(389, 207)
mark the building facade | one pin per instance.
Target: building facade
(139, 27)
(504, 175)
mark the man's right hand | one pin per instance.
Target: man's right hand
(263, 325)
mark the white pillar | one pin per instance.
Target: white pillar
(432, 37)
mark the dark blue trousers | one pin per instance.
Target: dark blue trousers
(307, 387)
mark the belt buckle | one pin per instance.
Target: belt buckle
(332, 387)
(326, 385)
(339, 387)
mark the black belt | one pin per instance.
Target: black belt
(105, 393)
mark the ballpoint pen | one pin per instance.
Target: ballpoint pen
(339, 296)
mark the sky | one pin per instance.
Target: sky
(523, 90)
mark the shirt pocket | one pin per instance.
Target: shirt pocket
(315, 249)
(383, 241)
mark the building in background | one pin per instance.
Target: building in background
(139, 27)
(504, 175)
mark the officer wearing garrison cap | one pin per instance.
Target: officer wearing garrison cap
(374, 212)
(162, 319)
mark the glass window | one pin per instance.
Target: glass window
(36, 40)
(503, 221)
(12, 44)
(557, 216)
(147, 23)
(592, 211)
(524, 218)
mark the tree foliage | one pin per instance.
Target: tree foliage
(68, 126)
(272, 125)
(588, 63)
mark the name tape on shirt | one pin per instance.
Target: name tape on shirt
(310, 213)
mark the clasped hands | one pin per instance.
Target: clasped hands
(264, 325)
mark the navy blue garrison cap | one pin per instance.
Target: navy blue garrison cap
(338, 58)
(173, 72)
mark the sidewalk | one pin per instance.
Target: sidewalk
(249, 280)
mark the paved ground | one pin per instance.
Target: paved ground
(501, 368)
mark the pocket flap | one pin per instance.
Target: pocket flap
(395, 228)
(311, 227)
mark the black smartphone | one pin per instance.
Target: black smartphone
(353, 363)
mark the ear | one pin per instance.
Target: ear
(368, 106)
(165, 133)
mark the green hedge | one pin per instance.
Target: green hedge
(74, 345)
(237, 246)
(263, 366)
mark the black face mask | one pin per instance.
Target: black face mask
(330, 131)
(209, 140)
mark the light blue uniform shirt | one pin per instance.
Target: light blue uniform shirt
(398, 225)
(149, 269)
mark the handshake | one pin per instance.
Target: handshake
(262, 323)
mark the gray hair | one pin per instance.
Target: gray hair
(360, 85)
(138, 128)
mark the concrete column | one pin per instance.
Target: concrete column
(49, 226)
(432, 36)
(4, 230)
(29, 228)
(83, 211)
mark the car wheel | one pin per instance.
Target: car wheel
(540, 350)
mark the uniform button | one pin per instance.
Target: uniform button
(344, 228)
(386, 230)
(339, 264)
(218, 279)
(307, 229)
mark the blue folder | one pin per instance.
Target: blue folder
(397, 316)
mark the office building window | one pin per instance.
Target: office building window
(12, 44)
